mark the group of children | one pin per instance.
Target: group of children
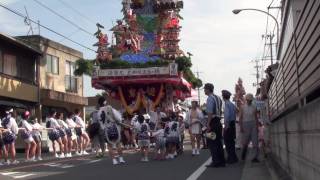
(69, 133)
(166, 135)
(163, 132)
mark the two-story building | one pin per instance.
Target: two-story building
(60, 89)
(19, 76)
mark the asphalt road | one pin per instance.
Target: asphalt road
(84, 168)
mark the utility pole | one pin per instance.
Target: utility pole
(270, 44)
(198, 76)
(271, 36)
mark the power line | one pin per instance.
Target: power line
(78, 12)
(45, 27)
(67, 20)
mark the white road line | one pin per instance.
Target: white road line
(53, 164)
(9, 173)
(63, 166)
(67, 166)
(199, 171)
(22, 176)
(94, 161)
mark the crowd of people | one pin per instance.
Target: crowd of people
(160, 132)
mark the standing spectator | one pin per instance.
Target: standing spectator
(193, 119)
(238, 135)
(71, 134)
(2, 146)
(81, 132)
(214, 127)
(182, 128)
(204, 129)
(53, 133)
(249, 127)
(28, 138)
(229, 127)
(36, 134)
(62, 133)
(9, 136)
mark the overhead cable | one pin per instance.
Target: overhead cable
(59, 15)
(45, 27)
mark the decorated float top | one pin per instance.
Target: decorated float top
(144, 62)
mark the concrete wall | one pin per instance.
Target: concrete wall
(296, 142)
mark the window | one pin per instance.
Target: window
(52, 64)
(26, 68)
(71, 81)
(10, 64)
(70, 67)
(19, 66)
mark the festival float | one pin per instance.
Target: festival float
(143, 66)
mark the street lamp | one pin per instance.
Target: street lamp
(237, 11)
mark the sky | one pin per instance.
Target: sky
(223, 44)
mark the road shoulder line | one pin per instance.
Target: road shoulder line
(195, 175)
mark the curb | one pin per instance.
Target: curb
(275, 170)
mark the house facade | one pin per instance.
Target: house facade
(60, 89)
(19, 76)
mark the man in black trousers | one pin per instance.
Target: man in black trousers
(229, 132)
(213, 110)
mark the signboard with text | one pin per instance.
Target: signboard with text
(171, 70)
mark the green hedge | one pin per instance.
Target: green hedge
(184, 65)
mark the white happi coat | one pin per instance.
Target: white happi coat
(112, 117)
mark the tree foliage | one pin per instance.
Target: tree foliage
(84, 66)
(184, 63)
(190, 77)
